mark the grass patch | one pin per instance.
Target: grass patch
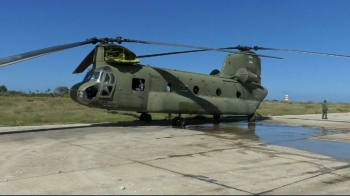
(275, 108)
(17, 110)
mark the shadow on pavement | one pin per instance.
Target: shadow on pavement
(189, 121)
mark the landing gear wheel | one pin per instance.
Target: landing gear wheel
(142, 117)
(148, 118)
(174, 123)
(145, 117)
(181, 122)
(216, 119)
(178, 121)
(252, 117)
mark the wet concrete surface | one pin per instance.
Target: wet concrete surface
(282, 135)
(230, 158)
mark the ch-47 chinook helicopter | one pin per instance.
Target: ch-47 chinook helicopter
(117, 81)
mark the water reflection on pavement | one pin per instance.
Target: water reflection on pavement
(281, 135)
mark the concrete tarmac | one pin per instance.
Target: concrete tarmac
(135, 158)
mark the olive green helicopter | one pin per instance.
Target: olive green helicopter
(117, 81)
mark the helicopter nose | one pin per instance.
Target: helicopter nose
(84, 93)
(78, 94)
(74, 92)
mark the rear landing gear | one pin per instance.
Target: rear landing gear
(216, 119)
(252, 117)
(145, 117)
(179, 122)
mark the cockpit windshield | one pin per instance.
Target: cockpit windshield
(93, 76)
(96, 76)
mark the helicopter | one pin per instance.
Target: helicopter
(118, 81)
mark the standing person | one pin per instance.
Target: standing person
(324, 109)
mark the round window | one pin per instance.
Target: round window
(169, 87)
(218, 92)
(195, 90)
(238, 94)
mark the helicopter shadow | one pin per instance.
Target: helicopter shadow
(198, 120)
(137, 123)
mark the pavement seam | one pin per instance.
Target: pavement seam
(313, 163)
(266, 192)
(347, 177)
(327, 172)
(40, 130)
(195, 177)
(196, 153)
(179, 173)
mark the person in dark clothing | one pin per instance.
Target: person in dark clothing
(324, 109)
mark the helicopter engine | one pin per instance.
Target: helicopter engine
(245, 76)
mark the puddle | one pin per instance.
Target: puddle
(281, 135)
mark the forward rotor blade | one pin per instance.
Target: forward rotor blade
(41, 52)
(88, 60)
(190, 46)
(302, 51)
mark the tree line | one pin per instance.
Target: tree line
(59, 91)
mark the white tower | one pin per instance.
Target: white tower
(286, 98)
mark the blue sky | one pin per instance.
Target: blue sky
(312, 25)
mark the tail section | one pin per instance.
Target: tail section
(245, 68)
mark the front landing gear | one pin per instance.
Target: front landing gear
(178, 121)
(145, 117)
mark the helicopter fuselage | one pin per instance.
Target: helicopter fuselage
(148, 89)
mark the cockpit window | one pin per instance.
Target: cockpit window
(87, 76)
(112, 78)
(93, 76)
(108, 85)
(109, 79)
(96, 76)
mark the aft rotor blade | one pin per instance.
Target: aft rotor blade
(170, 53)
(179, 52)
(41, 52)
(302, 51)
(189, 46)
